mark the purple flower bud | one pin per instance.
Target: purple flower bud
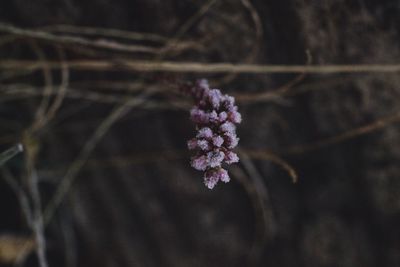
(231, 157)
(204, 133)
(192, 144)
(229, 101)
(199, 163)
(203, 83)
(212, 176)
(235, 117)
(215, 158)
(198, 116)
(215, 97)
(222, 116)
(217, 141)
(213, 117)
(200, 89)
(210, 179)
(223, 175)
(203, 145)
(231, 140)
(228, 127)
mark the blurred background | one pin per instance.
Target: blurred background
(105, 179)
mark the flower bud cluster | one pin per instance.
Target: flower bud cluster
(215, 116)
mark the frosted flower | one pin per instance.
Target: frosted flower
(200, 163)
(198, 116)
(228, 127)
(231, 140)
(223, 175)
(229, 102)
(192, 144)
(215, 116)
(215, 98)
(217, 141)
(210, 180)
(231, 157)
(203, 145)
(211, 177)
(215, 158)
(235, 117)
(222, 116)
(204, 133)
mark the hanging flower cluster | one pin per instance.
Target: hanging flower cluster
(215, 116)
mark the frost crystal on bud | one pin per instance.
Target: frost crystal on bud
(228, 127)
(231, 157)
(200, 163)
(218, 141)
(203, 145)
(215, 158)
(235, 117)
(231, 140)
(192, 144)
(204, 133)
(215, 116)
(222, 116)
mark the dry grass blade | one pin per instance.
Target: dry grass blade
(267, 155)
(40, 119)
(62, 88)
(259, 208)
(270, 95)
(105, 44)
(172, 44)
(10, 153)
(379, 124)
(197, 67)
(252, 55)
(71, 174)
(107, 32)
(32, 179)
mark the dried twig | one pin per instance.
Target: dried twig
(379, 124)
(70, 176)
(62, 88)
(273, 94)
(273, 157)
(65, 39)
(37, 224)
(10, 153)
(40, 119)
(197, 67)
(107, 32)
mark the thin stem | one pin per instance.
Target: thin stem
(197, 67)
(10, 153)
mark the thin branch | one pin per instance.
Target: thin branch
(40, 119)
(252, 55)
(33, 187)
(65, 39)
(72, 172)
(185, 27)
(270, 156)
(273, 94)
(62, 88)
(377, 125)
(10, 153)
(197, 67)
(107, 32)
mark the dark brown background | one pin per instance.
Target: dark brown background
(137, 202)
